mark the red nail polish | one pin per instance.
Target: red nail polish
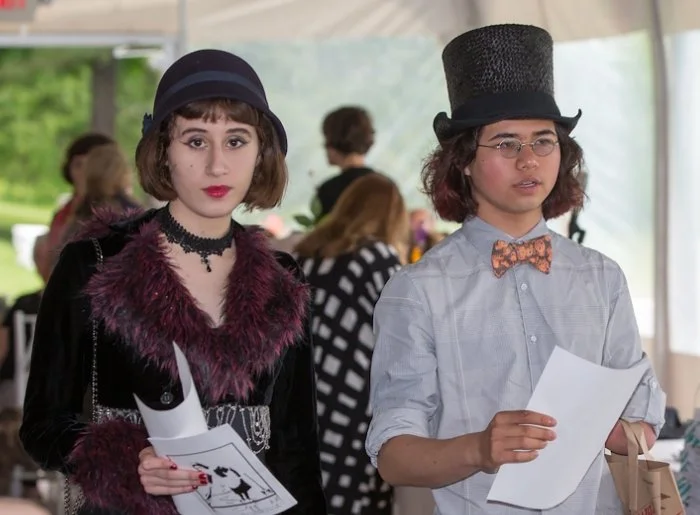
(203, 482)
(173, 466)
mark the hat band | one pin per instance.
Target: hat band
(211, 76)
(509, 103)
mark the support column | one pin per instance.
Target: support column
(104, 95)
(661, 216)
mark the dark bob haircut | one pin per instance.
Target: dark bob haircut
(270, 176)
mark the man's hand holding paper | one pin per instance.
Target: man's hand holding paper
(514, 437)
(572, 390)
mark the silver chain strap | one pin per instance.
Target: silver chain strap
(93, 377)
(70, 507)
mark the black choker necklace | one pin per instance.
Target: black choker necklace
(205, 247)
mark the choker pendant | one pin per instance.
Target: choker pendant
(204, 247)
(205, 262)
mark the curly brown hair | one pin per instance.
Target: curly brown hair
(451, 194)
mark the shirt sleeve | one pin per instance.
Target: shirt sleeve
(623, 349)
(404, 395)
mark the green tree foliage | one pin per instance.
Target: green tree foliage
(45, 101)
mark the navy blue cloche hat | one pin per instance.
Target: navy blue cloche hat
(205, 74)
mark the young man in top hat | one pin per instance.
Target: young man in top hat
(463, 335)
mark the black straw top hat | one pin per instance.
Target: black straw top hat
(499, 72)
(206, 74)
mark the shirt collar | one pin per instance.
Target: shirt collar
(483, 235)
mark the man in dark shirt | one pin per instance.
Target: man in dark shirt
(349, 135)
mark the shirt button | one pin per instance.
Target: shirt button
(533, 338)
(167, 398)
(653, 384)
(523, 287)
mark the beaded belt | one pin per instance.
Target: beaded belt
(252, 423)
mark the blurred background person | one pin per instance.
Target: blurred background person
(28, 304)
(72, 171)
(11, 451)
(423, 235)
(349, 135)
(347, 259)
(108, 184)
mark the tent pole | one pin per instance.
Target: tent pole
(181, 39)
(661, 171)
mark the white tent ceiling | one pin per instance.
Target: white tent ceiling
(211, 22)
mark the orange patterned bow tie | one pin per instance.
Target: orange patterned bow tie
(537, 252)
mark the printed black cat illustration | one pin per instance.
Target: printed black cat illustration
(243, 487)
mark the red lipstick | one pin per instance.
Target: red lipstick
(217, 191)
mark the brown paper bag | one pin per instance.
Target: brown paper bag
(645, 487)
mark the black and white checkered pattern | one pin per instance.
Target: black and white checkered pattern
(345, 290)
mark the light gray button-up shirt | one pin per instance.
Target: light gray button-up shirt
(455, 345)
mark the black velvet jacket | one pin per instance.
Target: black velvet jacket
(140, 307)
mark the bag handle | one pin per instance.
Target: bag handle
(632, 470)
(636, 441)
(636, 431)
